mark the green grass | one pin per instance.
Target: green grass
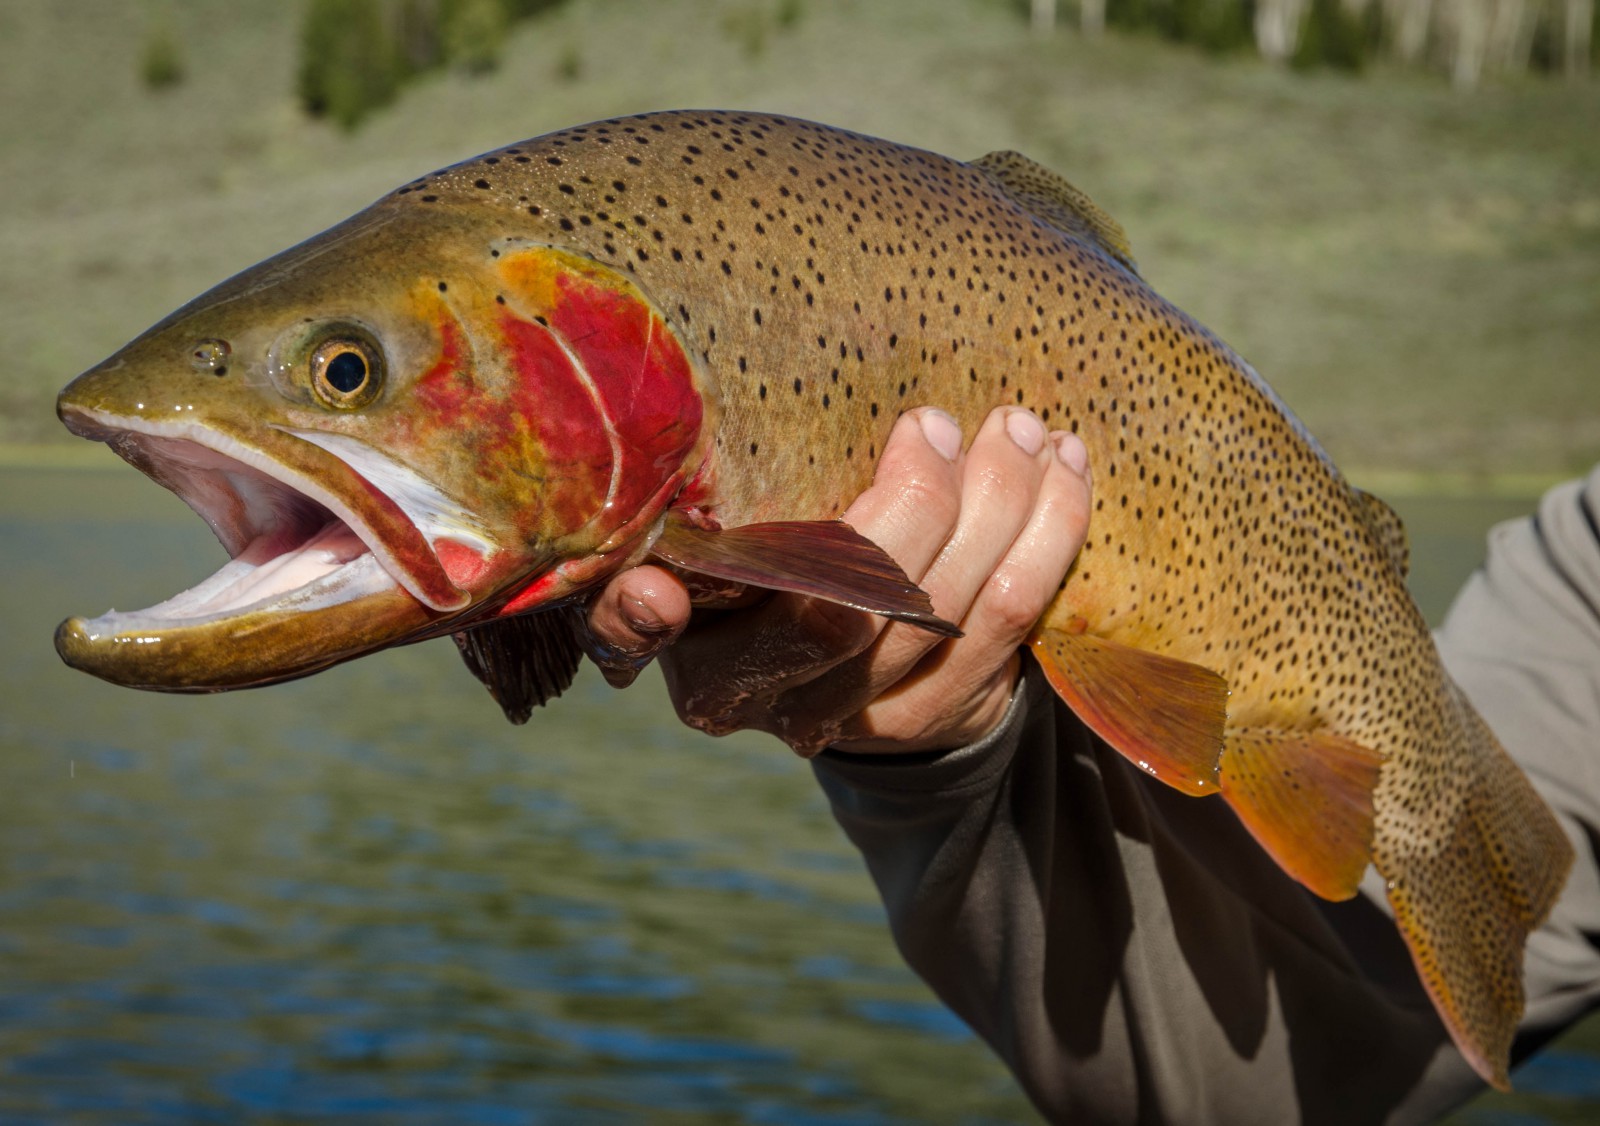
(1416, 270)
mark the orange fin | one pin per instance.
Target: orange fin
(825, 559)
(1306, 797)
(1163, 715)
(1466, 898)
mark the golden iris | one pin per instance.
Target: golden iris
(346, 372)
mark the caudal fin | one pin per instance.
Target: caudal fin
(1466, 904)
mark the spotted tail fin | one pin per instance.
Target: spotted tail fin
(1467, 903)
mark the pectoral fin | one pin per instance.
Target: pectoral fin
(1306, 797)
(1163, 715)
(525, 660)
(825, 559)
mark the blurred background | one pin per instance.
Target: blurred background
(364, 896)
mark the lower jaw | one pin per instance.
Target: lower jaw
(255, 648)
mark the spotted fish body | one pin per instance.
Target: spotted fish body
(689, 334)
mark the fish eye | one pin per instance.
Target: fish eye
(346, 372)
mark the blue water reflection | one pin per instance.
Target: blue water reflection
(365, 897)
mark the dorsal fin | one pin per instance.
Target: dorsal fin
(1386, 525)
(1037, 189)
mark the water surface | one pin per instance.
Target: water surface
(365, 897)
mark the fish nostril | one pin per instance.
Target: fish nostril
(211, 356)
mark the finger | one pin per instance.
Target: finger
(636, 615)
(959, 693)
(914, 501)
(1001, 480)
(720, 675)
(1015, 594)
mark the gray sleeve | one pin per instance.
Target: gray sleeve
(1523, 640)
(1132, 954)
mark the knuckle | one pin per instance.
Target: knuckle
(932, 501)
(1011, 607)
(1001, 488)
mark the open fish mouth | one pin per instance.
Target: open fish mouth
(288, 550)
(312, 577)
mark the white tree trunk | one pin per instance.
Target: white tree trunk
(1580, 26)
(1277, 28)
(1044, 15)
(1510, 36)
(1468, 41)
(1093, 16)
(1410, 21)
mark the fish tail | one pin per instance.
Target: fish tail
(1466, 904)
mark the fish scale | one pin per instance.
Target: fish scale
(1236, 622)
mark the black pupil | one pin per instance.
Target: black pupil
(346, 372)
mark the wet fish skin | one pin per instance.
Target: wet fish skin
(1237, 621)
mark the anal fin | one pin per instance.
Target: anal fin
(525, 660)
(825, 559)
(1164, 715)
(1306, 797)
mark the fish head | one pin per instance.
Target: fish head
(404, 426)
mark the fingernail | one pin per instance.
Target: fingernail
(1026, 431)
(1071, 452)
(942, 432)
(642, 618)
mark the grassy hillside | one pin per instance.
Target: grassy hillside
(1416, 270)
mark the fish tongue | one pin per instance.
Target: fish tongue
(270, 565)
(283, 547)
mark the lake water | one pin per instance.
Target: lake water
(364, 897)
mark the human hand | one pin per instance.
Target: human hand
(989, 533)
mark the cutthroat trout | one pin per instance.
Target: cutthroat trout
(687, 336)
